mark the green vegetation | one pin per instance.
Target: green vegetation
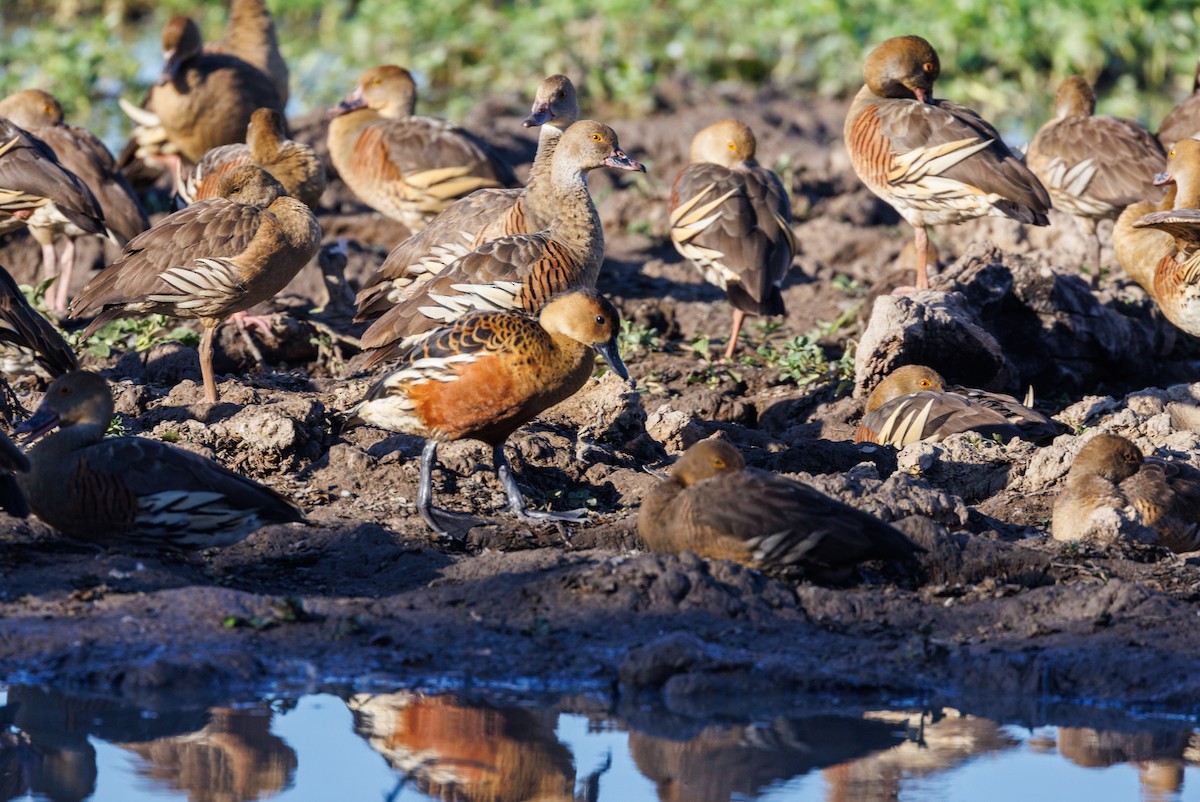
(1003, 56)
(133, 334)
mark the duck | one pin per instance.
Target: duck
(486, 374)
(133, 490)
(12, 462)
(250, 36)
(80, 152)
(712, 505)
(1183, 121)
(208, 261)
(405, 166)
(295, 165)
(29, 343)
(203, 100)
(37, 191)
(1158, 244)
(731, 217)
(520, 271)
(914, 404)
(482, 216)
(933, 161)
(1093, 165)
(1110, 471)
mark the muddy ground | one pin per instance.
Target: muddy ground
(364, 593)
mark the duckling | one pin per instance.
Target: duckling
(714, 506)
(293, 164)
(208, 261)
(486, 374)
(1110, 471)
(1093, 166)
(732, 218)
(520, 271)
(933, 161)
(133, 490)
(406, 167)
(913, 403)
(482, 216)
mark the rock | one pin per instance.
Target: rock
(654, 663)
(966, 464)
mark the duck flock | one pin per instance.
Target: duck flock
(488, 314)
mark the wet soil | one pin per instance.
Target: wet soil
(364, 592)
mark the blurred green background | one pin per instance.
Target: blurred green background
(1003, 57)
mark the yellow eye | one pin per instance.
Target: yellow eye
(718, 462)
(1131, 458)
(1171, 155)
(596, 137)
(732, 145)
(924, 383)
(929, 66)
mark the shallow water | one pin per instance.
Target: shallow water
(402, 745)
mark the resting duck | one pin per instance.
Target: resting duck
(1093, 166)
(208, 261)
(484, 375)
(520, 271)
(1158, 245)
(293, 164)
(28, 342)
(480, 217)
(716, 507)
(913, 404)
(406, 167)
(732, 218)
(133, 490)
(1110, 471)
(934, 161)
(1183, 121)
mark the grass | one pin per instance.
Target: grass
(1003, 56)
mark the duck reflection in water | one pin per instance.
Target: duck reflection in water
(1159, 755)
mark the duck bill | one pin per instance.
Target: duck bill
(922, 94)
(619, 160)
(170, 67)
(1163, 178)
(612, 356)
(540, 115)
(350, 102)
(42, 421)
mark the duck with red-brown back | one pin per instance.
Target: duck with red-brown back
(732, 218)
(482, 216)
(208, 261)
(520, 271)
(406, 167)
(1093, 165)
(133, 490)
(934, 161)
(716, 507)
(485, 375)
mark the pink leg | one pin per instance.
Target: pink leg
(66, 267)
(921, 242)
(245, 322)
(738, 317)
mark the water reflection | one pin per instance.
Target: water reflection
(407, 746)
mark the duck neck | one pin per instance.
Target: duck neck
(265, 145)
(544, 159)
(573, 361)
(1186, 194)
(344, 131)
(566, 202)
(249, 27)
(297, 223)
(53, 450)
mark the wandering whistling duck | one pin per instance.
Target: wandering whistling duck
(208, 261)
(714, 506)
(520, 271)
(293, 164)
(1158, 245)
(732, 218)
(934, 161)
(480, 217)
(87, 157)
(133, 490)
(1093, 166)
(913, 404)
(486, 374)
(404, 166)
(1110, 471)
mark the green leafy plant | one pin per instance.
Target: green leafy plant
(133, 334)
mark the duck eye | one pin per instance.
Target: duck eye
(718, 462)
(732, 145)
(596, 137)
(924, 382)
(929, 66)
(599, 320)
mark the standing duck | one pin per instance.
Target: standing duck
(716, 507)
(87, 157)
(732, 218)
(480, 217)
(209, 261)
(38, 192)
(1093, 166)
(133, 490)
(913, 404)
(485, 375)
(1110, 471)
(406, 167)
(250, 36)
(934, 161)
(520, 271)
(293, 164)
(1158, 245)
(1183, 121)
